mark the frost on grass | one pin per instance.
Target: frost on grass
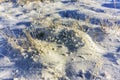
(66, 37)
(50, 49)
(54, 47)
(58, 45)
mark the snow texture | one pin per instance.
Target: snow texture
(59, 40)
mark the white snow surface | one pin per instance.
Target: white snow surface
(97, 59)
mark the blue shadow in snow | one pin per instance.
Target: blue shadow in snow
(73, 14)
(111, 57)
(100, 35)
(112, 5)
(69, 1)
(22, 63)
(7, 79)
(118, 49)
(24, 23)
(98, 10)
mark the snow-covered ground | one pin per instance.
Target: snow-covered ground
(62, 40)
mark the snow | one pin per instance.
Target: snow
(62, 40)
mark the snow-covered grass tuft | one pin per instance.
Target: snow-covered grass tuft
(68, 40)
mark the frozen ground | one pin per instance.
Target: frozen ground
(63, 40)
